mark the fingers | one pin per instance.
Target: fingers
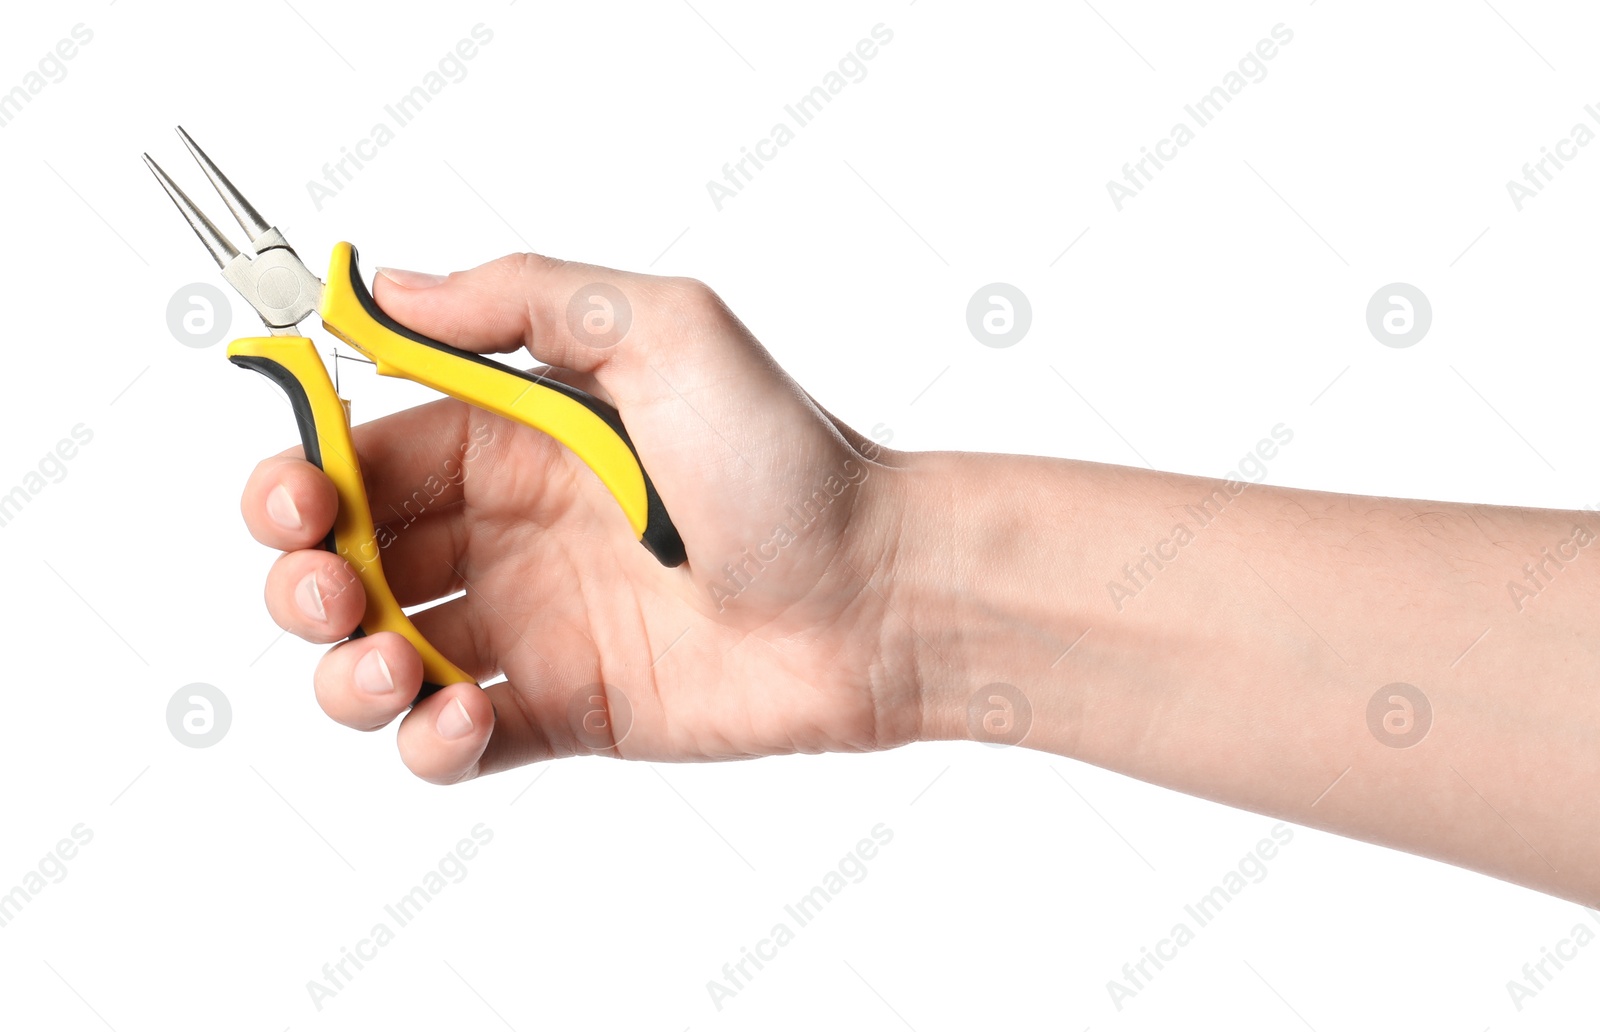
(460, 732)
(465, 732)
(521, 300)
(442, 739)
(288, 503)
(666, 350)
(368, 682)
(580, 317)
(412, 462)
(314, 595)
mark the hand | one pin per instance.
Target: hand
(909, 593)
(770, 639)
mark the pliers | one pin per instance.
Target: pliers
(284, 293)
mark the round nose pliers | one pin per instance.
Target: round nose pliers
(284, 293)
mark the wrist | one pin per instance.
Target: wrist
(985, 601)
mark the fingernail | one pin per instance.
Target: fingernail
(309, 598)
(281, 507)
(453, 721)
(372, 674)
(414, 280)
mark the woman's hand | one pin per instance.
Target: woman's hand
(840, 597)
(776, 636)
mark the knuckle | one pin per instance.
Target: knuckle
(696, 299)
(687, 312)
(532, 265)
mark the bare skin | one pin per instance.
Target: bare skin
(1241, 669)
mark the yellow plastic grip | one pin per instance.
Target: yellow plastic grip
(590, 429)
(293, 363)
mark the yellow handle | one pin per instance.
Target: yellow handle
(294, 365)
(591, 429)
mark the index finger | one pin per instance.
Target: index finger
(419, 453)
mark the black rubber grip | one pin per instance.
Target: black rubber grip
(306, 423)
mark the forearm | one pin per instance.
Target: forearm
(1228, 642)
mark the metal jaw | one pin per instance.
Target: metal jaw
(273, 280)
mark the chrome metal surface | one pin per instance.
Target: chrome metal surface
(273, 280)
(242, 209)
(209, 234)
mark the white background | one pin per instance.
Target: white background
(1227, 297)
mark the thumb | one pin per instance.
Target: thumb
(567, 314)
(702, 400)
(645, 339)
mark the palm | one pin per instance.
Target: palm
(605, 649)
(771, 638)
